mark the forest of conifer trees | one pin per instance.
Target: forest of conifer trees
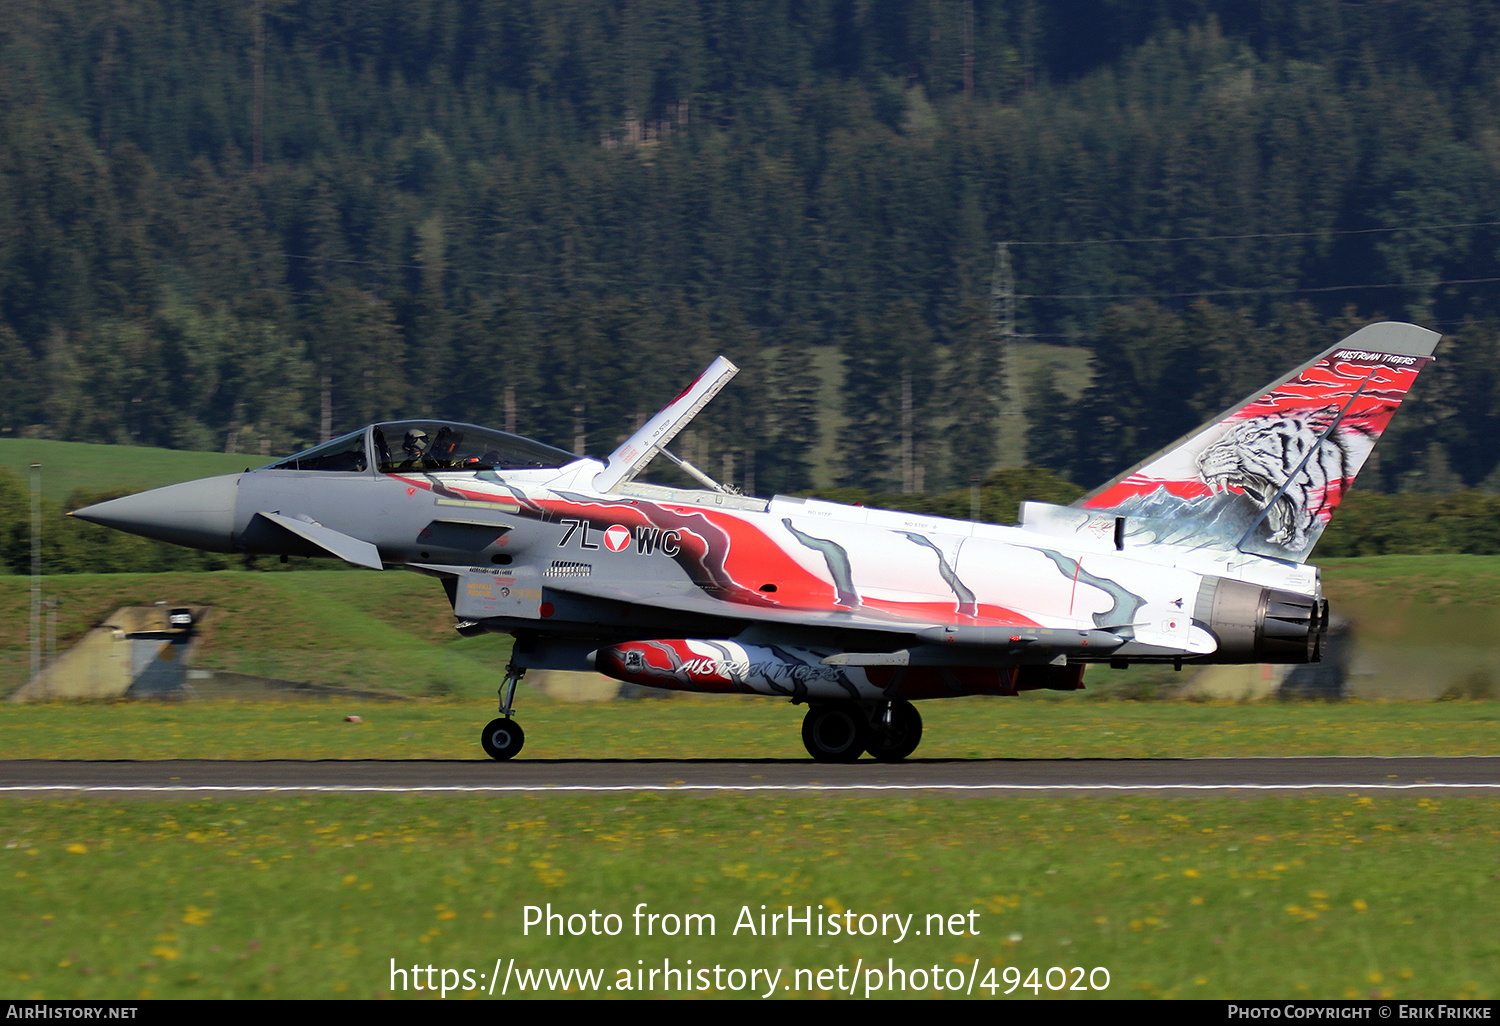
(243, 225)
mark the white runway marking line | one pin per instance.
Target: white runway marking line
(583, 788)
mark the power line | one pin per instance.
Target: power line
(1327, 233)
(1261, 292)
(1085, 336)
(585, 277)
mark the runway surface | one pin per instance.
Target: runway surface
(1413, 775)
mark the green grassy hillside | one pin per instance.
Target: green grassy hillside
(388, 630)
(99, 468)
(1430, 619)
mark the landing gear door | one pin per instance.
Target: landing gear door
(483, 592)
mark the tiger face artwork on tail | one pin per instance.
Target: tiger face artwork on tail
(1266, 476)
(1293, 467)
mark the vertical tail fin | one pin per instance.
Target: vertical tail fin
(1266, 476)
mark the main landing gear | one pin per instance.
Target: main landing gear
(502, 738)
(842, 731)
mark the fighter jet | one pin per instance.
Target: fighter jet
(1197, 555)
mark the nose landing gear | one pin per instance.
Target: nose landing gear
(502, 738)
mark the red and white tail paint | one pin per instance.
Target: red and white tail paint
(1266, 476)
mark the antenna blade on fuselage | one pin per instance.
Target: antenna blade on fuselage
(639, 449)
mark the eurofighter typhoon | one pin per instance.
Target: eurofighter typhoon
(1197, 555)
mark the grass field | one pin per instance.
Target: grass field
(318, 897)
(694, 727)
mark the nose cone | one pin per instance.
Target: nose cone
(198, 514)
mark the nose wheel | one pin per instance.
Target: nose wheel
(502, 738)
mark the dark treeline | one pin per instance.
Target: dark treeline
(247, 224)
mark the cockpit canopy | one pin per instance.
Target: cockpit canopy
(443, 445)
(424, 446)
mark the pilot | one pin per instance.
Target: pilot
(415, 446)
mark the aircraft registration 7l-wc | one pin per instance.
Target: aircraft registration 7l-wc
(1195, 555)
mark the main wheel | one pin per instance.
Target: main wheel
(502, 738)
(834, 733)
(894, 742)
